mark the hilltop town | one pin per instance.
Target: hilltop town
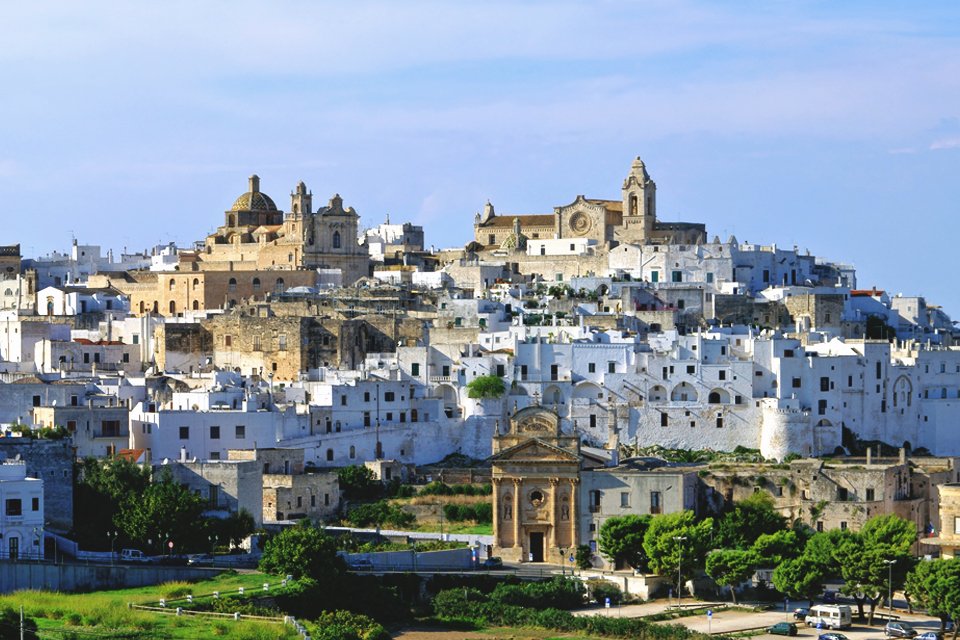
(588, 363)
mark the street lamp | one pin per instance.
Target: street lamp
(680, 540)
(563, 562)
(113, 539)
(890, 564)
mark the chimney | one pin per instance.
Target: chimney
(254, 183)
(869, 456)
(903, 455)
(183, 454)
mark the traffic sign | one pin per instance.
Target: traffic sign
(572, 558)
(607, 603)
(709, 613)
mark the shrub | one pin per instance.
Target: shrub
(344, 625)
(600, 590)
(378, 514)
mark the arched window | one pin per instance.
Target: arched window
(196, 305)
(256, 284)
(232, 284)
(173, 307)
(280, 285)
(329, 455)
(143, 307)
(336, 239)
(173, 283)
(196, 283)
(353, 452)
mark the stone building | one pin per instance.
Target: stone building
(96, 430)
(227, 486)
(293, 490)
(535, 488)
(948, 538)
(260, 236)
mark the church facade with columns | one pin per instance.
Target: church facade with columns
(536, 476)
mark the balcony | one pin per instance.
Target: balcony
(594, 508)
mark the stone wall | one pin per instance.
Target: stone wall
(51, 461)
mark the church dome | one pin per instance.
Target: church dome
(254, 200)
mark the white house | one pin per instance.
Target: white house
(21, 518)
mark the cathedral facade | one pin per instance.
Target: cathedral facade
(603, 223)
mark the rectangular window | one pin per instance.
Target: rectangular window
(184, 433)
(110, 428)
(821, 407)
(591, 367)
(663, 419)
(843, 525)
(214, 433)
(326, 499)
(214, 455)
(501, 370)
(824, 383)
(523, 372)
(415, 369)
(366, 396)
(611, 367)
(126, 357)
(343, 401)
(797, 383)
(819, 526)
(227, 341)
(870, 495)
(709, 277)
(879, 370)
(691, 369)
(593, 421)
(956, 524)
(74, 401)
(445, 371)
(36, 401)
(624, 498)
(240, 432)
(35, 504)
(389, 396)
(654, 276)
(721, 375)
(282, 342)
(14, 507)
(842, 494)
(676, 276)
(366, 418)
(655, 503)
(256, 343)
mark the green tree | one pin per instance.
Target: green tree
(665, 548)
(621, 540)
(730, 567)
(748, 520)
(799, 578)
(773, 548)
(163, 508)
(234, 528)
(303, 550)
(10, 625)
(358, 482)
(583, 557)
(486, 387)
(935, 586)
(873, 558)
(821, 548)
(101, 487)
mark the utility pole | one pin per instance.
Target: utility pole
(680, 540)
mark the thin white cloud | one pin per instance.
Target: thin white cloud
(945, 143)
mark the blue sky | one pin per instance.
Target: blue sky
(830, 126)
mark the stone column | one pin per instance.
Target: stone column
(496, 510)
(554, 519)
(574, 514)
(516, 515)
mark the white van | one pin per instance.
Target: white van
(830, 616)
(133, 555)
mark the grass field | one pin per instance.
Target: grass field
(105, 614)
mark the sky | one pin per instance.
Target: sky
(831, 126)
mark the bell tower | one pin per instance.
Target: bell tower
(301, 200)
(639, 194)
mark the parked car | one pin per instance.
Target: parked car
(801, 613)
(899, 630)
(493, 562)
(200, 560)
(930, 635)
(783, 629)
(832, 636)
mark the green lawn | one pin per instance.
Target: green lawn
(107, 611)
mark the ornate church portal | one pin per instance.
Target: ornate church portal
(536, 470)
